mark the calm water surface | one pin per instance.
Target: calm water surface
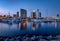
(31, 28)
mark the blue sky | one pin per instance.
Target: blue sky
(46, 7)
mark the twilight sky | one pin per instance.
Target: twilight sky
(46, 7)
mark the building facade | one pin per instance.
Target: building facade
(33, 15)
(17, 14)
(38, 14)
(23, 13)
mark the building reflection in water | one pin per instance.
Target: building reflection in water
(36, 25)
(57, 24)
(23, 25)
(33, 24)
(18, 25)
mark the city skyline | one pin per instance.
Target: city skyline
(46, 7)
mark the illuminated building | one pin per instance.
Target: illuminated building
(23, 13)
(17, 14)
(33, 15)
(38, 13)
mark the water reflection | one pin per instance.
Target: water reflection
(33, 24)
(23, 25)
(36, 25)
(18, 25)
(57, 24)
(29, 28)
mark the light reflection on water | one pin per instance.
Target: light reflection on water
(24, 28)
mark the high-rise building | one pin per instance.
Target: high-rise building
(38, 13)
(23, 13)
(33, 15)
(17, 14)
